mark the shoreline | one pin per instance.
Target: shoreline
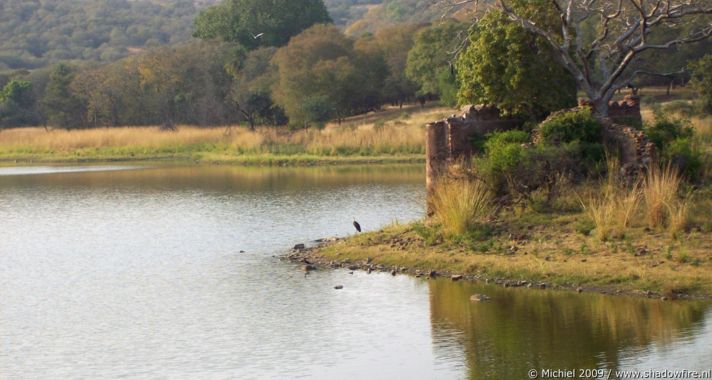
(247, 160)
(352, 254)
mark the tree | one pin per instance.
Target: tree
(17, 104)
(254, 23)
(252, 89)
(320, 66)
(62, 107)
(432, 59)
(514, 69)
(702, 81)
(390, 46)
(602, 59)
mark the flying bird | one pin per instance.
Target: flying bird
(357, 226)
(256, 36)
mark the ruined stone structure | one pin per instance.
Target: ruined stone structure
(450, 140)
(626, 111)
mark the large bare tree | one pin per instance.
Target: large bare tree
(598, 41)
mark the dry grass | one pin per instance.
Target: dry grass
(461, 204)
(660, 191)
(403, 133)
(614, 210)
(613, 206)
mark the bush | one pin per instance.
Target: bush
(674, 141)
(513, 167)
(460, 205)
(665, 130)
(569, 126)
(702, 81)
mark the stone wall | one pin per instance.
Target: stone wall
(449, 141)
(626, 111)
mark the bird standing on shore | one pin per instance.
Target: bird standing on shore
(357, 226)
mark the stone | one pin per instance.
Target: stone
(433, 274)
(579, 289)
(479, 298)
(308, 268)
(393, 272)
(456, 277)
(338, 287)
(542, 285)
(299, 247)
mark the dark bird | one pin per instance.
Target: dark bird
(357, 226)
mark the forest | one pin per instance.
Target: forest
(277, 62)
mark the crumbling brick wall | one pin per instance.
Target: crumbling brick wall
(450, 140)
(626, 111)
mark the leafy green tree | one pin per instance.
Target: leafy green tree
(62, 107)
(252, 89)
(430, 62)
(506, 65)
(255, 23)
(392, 45)
(17, 104)
(702, 81)
(322, 64)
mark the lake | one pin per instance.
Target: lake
(172, 272)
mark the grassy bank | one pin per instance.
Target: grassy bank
(552, 248)
(389, 136)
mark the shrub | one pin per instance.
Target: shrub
(459, 205)
(505, 150)
(665, 130)
(513, 167)
(702, 81)
(684, 155)
(674, 140)
(569, 126)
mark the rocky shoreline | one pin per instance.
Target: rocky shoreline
(310, 260)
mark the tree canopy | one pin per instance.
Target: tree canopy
(36, 33)
(254, 23)
(506, 65)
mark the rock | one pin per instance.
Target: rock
(479, 298)
(369, 260)
(663, 298)
(308, 268)
(641, 251)
(242, 251)
(368, 271)
(433, 274)
(456, 277)
(393, 272)
(353, 267)
(351, 272)
(542, 285)
(338, 287)
(299, 247)
(579, 289)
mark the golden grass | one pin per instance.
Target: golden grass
(660, 191)
(393, 134)
(459, 205)
(614, 210)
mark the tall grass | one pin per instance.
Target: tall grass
(388, 132)
(614, 208)
(364, 140)
(660, 191)
(461, 204)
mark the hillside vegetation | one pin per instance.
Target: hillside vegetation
(37, 33)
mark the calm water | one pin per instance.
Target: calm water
(137, 273)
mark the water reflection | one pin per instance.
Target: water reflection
(521, 329)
